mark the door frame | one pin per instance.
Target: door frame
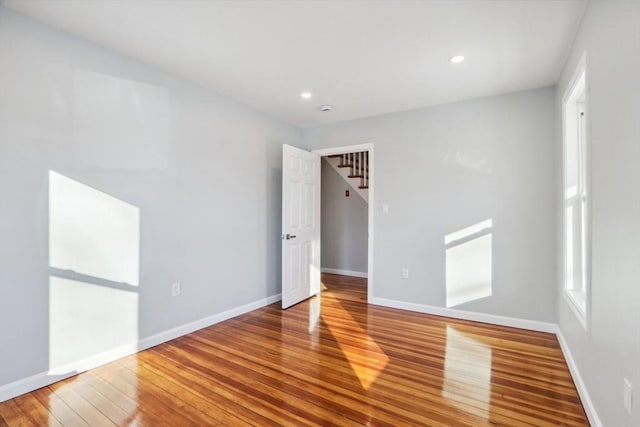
(329, 151)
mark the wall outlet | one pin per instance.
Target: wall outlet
(405, 273)
(628, 396)
(385, 208)
(175, 289)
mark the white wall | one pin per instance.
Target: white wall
(446, 168)
(610, 36)
(344, 224)
(197, 173)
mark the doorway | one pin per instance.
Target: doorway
(347, 150)
(301, 220)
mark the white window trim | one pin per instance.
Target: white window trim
(571, 297)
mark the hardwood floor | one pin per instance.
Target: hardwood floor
(332, 360)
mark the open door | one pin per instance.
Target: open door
(300, 225)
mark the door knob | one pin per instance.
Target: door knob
(289, 236)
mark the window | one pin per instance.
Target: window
(576, 195)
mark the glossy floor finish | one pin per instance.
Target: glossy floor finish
(332, 360)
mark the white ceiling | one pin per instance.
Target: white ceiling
(363, 57)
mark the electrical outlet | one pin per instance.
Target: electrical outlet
(175, 289)
(628, 396)
(385, 208)
(405, 273)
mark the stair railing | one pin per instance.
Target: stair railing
(358, 163)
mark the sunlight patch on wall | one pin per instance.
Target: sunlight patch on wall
(94, 256)
(87, 319)
(469, 263)
(91, 232)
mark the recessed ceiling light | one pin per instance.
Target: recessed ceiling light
(456, 59)
(305, 95)
(326, 107)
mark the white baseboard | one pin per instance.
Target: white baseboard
(37, 381)
(533, 325)
(34, 382)
(587, 403)
(343, 272)
(165, 336)
(513, 322)
(25, 385)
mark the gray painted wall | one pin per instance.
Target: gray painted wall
(445, 168)
(344, 224)
(610, 35)
(440, 170)
(204, 171)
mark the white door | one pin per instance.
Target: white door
(300, 225)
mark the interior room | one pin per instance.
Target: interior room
(317, 212)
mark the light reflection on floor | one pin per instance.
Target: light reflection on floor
(467, 370)
(116, 391)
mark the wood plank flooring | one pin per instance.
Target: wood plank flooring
(332, 360)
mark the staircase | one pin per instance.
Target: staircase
(354, 168)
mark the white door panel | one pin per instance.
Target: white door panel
(300, 225)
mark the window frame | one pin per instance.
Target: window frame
(579, 301)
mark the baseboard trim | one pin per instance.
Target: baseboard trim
(344, 272)
(34, 382)
(165, 336)
(513, 322)
(533, 325)
(587, 403)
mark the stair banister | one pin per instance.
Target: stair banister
(366, 181)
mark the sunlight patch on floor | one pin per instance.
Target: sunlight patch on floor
(367, 363)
